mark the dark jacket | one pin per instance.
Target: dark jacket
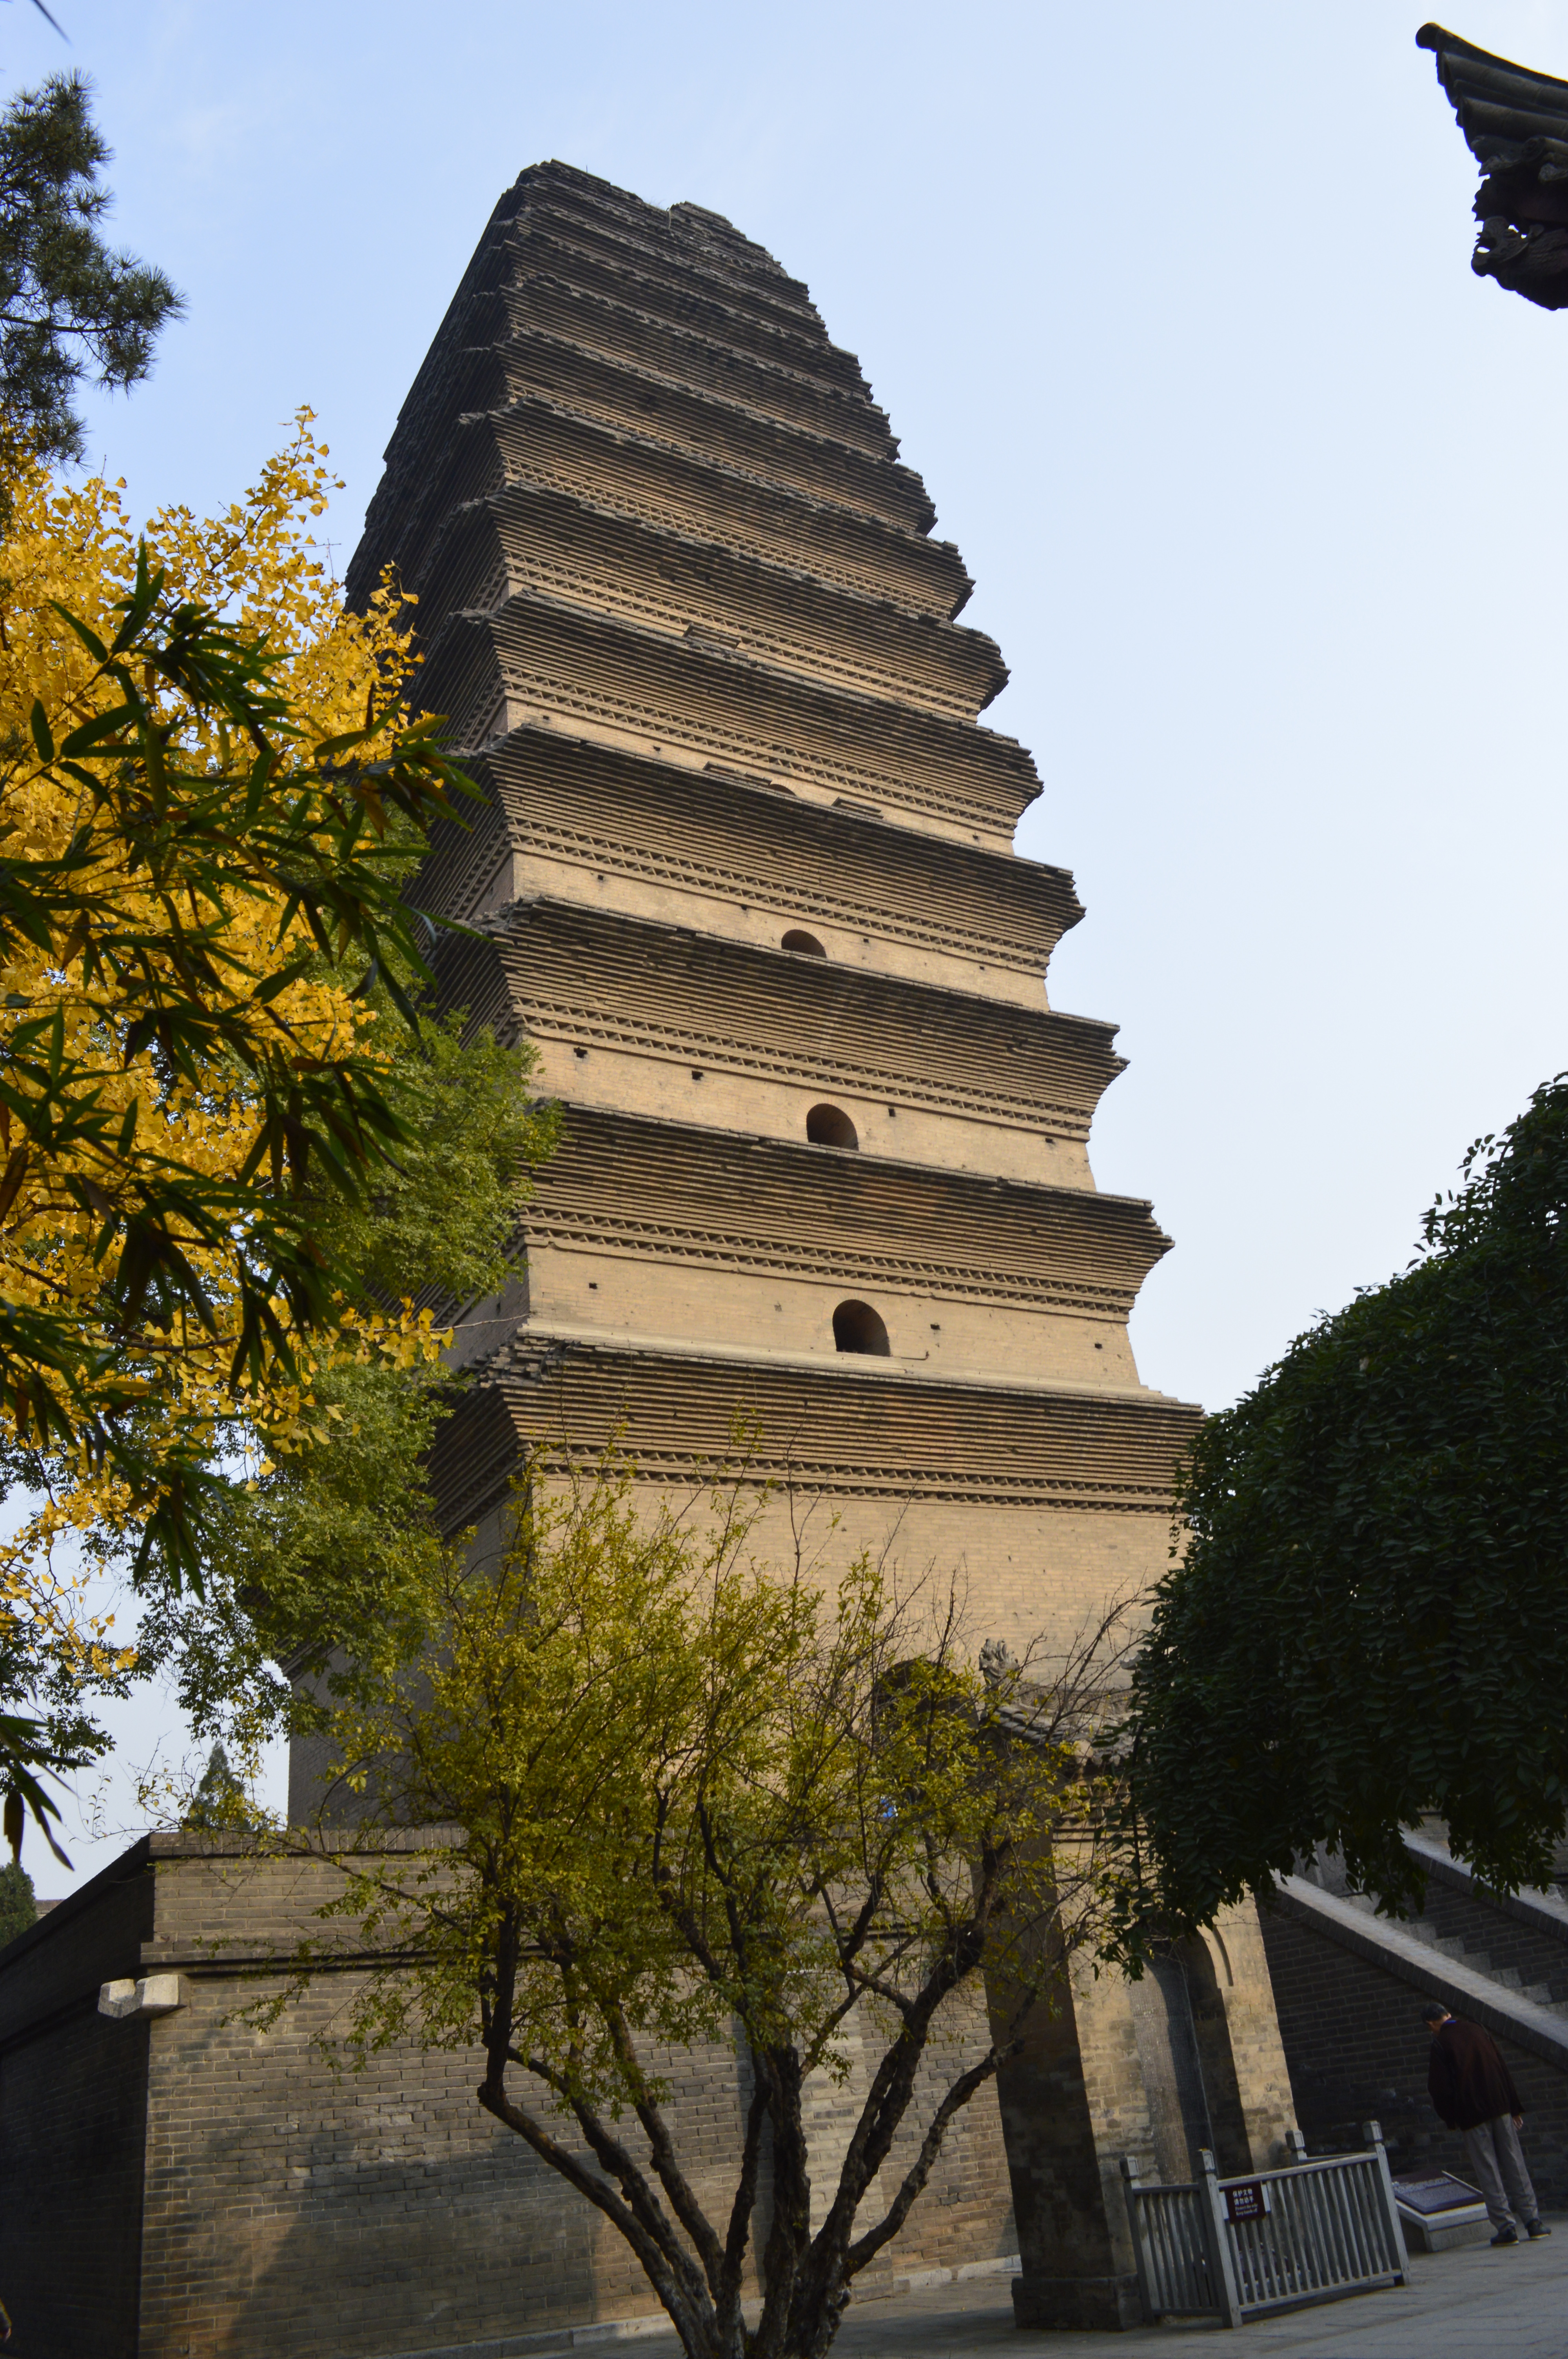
(1467, 2078)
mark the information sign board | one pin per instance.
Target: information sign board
(1436, 2190)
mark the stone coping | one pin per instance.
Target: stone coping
(543, 1335)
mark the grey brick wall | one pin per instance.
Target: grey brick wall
(1502, 1938)
(72, 2102)
(289, 2206)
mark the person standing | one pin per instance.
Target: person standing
(1474, 2092)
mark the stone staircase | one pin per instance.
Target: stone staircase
(1347, 1985)
(1524, 1953)
(1501, 1960)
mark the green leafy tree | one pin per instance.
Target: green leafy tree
(212, 800)
(18, 1910)
(51, 1696)
(71, 308)
(317, 1573)
(219, 1797)
(695, 1800)
(1370, 1619)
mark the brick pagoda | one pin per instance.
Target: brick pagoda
(745, 876)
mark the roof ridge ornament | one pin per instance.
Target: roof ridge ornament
(1515, 122)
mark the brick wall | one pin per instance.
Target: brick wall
(1098, 2075)
(290, 2204)
(73, 2102)
(1357, 2050)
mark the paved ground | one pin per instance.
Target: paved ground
(1466, 2305)
(1472, 2304)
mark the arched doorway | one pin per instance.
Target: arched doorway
(1189, 2070)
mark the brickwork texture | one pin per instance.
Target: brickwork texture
(265, 2197)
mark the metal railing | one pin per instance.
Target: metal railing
(1236, 2248)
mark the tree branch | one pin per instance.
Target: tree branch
(587, 2183)
(641, 2202)
(892, 2085)
(789, 2231)
(865, 2248)
(661, 2147)
(744, 2203)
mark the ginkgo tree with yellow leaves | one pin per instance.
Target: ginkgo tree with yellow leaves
(212, 797)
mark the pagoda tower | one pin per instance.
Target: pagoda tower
(745, 877)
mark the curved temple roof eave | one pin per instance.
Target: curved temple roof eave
(1515, 122)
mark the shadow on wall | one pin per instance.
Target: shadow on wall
(1217, 2059)
(347, 2215)
(73, 2094)
(385, 2249)
(74, 2104)
(1188, 2064)
(416, 2254)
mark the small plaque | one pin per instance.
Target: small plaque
(1249, 2200)
(1439, 2190)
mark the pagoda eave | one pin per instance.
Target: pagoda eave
(556, 446)
(673, 1190)
(539, 540)
(537, 660)
(717, 836)
(867, 1430)
(1514, 123)
(590, 978)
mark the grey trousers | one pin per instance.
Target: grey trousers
(1497, 2159)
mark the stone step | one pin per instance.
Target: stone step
(1468, 1955)
(1393, 1945)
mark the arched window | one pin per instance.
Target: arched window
(857, 1328)
(827, 1125)
(806, 944)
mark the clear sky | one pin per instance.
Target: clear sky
(1262, 490)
